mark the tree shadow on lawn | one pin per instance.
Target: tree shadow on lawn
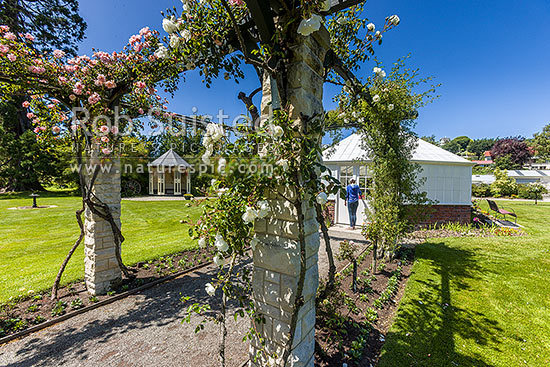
(159, 309)
(426, 324)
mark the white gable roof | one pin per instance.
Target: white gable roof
(169, 159)
(349, 150)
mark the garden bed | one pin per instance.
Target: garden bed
(29, 310)
(351, 326)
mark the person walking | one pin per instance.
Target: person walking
(353, 194)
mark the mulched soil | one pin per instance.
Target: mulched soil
(339, 338)
(25, 311)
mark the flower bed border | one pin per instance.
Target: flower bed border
(105, 302)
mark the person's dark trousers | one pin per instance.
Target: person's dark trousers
(352, 210)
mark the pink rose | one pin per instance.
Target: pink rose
(51, 105)
(29, 36)
(114, 130)
(58, 54)
(36, 130)
(141, 112)
(106, 151)
(62, 80)
(104, 129)
(94, 98)
(56, 129)
(26, 104)
(9, 36)
(104, 139)
(4, 28)
(140, 85)
(4, 49)
(12, 57)
(110, 84)
(30, 115)
(100, 80)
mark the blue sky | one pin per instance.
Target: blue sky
(491, 57)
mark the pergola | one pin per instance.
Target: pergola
(166, 174)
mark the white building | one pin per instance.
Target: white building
(522, 176)
(169, 174)
(448, 179)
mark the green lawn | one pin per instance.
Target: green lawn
(478, 301)
(33, 243)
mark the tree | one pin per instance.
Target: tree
(511, 153)
(430, 139)
(542, 144)
(480, 146)
(51, 24)
(463, 142)
(452, 146)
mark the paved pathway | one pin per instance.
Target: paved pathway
(144, 329)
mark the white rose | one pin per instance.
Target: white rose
(213, 182)
(283, 163)
(186, 35)
(174, 40)
(220, 243)
(202, 242)
(221, 164)
(206, 158)
(308, 26)
(253, 243)
(169, 26)
(277, 131)
(376, 98)
(263, 209)
(394, 19)
(210, 289)
(382, 74)
(250, 215)
(322, 198)
(376, 70)
(377, 34)
(222, 191)
(162, 52)
(371, 27)
(219, 261)
(391, 107)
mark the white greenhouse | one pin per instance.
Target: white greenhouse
(448, 179)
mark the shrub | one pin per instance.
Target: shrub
(533, 191)
(481, 190)
(503, 185)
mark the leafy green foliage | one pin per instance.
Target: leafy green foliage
(542, 144)
(59, 308)
(503, 185)
(481, 190)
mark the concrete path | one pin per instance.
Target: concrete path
(144, 329)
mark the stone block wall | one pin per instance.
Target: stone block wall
(101, 266)
(275, 280)
(277, 257)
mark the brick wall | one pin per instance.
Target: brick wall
(436, 214)
(448, 214)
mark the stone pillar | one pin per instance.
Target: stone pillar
(277, 257)
(101, 266)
